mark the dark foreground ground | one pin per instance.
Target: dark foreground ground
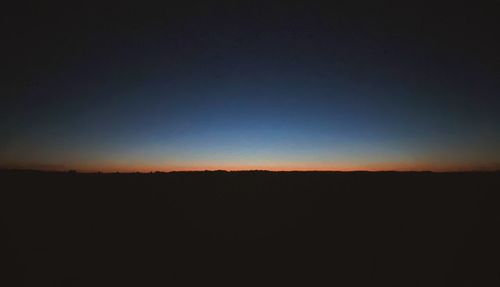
(250, 229)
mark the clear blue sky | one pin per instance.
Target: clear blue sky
(251, 87)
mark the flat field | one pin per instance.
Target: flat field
(251, 228)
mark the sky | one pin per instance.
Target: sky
(225, 85)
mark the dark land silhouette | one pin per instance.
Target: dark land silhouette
(250, 228)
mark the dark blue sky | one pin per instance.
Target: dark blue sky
(237, 86)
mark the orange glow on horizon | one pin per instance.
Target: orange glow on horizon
(109, 168)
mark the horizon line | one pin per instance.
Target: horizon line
(246, 170)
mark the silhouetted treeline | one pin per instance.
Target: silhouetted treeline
(250, 228)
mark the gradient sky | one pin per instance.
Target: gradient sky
(234, 86)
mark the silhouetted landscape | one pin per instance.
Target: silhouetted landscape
(251, 228)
